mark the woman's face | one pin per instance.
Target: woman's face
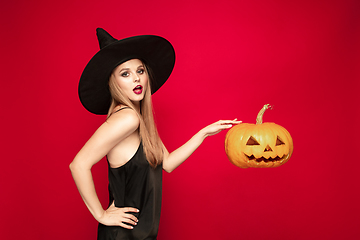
(132, 79)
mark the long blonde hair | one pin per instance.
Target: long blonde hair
(153, 147)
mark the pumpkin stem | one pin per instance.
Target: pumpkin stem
(259, 119)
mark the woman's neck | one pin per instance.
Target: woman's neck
(137, 106)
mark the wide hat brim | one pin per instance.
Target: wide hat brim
(155, 51)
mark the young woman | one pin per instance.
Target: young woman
(118, 81)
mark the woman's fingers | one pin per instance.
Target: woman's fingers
(131, 217)
(127, 217)
(220, 125)
(131, 220)
(130, 209)
(128, 220)
(126, 226)
(229, 123)
(123, 217)
(235, 121)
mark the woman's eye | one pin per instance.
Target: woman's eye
(141, 71)
(125, 74)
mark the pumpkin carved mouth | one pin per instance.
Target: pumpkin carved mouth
(266, 160)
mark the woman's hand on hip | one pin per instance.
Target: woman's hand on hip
(114, 216)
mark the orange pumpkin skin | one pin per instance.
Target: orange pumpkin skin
(261, 145)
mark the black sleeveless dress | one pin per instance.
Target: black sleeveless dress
(135, 184)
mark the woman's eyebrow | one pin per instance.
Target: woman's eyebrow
(122, 69)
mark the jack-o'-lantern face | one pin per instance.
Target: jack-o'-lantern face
(261, 145)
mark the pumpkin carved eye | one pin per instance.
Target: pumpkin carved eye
(279, 141)
(252, 141)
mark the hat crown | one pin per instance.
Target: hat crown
(104, 38)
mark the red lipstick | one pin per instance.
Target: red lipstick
(138, 89)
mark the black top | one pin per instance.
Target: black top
(135, 184)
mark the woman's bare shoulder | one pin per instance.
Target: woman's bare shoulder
(115, 129)
(124, 118)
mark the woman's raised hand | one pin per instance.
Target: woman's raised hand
(219, 126)
(114, 216)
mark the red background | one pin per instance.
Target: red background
(233, 57)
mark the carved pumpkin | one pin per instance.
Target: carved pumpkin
(260, 145)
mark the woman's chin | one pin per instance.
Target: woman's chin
(137, 99)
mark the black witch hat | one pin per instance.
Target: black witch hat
(156, 52)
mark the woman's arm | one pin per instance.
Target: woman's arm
(114, 130)
(176, 158)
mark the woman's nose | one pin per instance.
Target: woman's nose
(136, 78)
